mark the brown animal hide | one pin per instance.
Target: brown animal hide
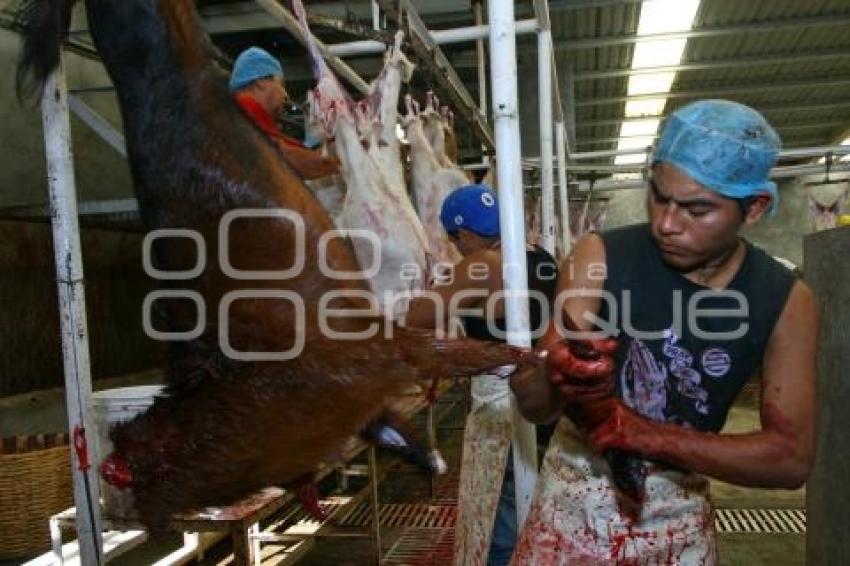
(230, 424)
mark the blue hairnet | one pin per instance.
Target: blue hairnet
(252, 64)
(725, 146)
(473, 207)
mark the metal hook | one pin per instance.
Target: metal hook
(827, 165)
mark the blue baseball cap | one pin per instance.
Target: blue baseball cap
(253, 64)
(726, 146)
(473, 207)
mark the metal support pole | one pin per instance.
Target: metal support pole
(561, 147)
(478, 12)
(441, 37)
(72, 313)
(98, 123)
(376, 15)
(376, 511)
(503, 77)
(478, 9)
(431, 426)
(544, 89)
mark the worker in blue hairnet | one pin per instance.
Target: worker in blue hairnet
(697, 312)
(258, 88)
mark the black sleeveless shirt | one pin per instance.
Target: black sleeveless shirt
(687, 373)
(542, 277)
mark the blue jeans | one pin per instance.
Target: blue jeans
(504, 528)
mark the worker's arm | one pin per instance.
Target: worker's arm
(307, 163)
(541, 398)
(780, 455)
(472, 281)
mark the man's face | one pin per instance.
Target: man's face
(691, 225)
(274, 94)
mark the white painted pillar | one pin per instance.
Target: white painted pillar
(544, 90)
(503, 76)
(561, 147)
(72, 312)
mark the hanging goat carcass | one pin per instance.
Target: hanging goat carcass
(388, 237)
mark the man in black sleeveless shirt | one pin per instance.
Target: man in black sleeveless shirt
(697, 311)
(486, 525)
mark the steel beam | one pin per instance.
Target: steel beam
(564, 5)
(778, 127)
(98, 123)
(732, 63)
(430, 54)
(783, 154)
(283, 17)
(762, 109)
(441, 37)
(719, 31)
(709, 92)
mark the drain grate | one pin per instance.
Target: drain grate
(401, 515)
(422, 547)
(765, 521)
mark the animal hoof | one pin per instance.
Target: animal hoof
(437, 463)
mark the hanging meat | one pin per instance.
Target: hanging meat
(435, 125)
(376, 201)
(433, 177)
(237, 415)
(330, 189)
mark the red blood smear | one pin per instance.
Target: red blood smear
(116, 471)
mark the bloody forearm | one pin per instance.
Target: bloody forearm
(766, 459)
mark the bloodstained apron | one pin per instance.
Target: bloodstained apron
(486, 442)
(575, 518)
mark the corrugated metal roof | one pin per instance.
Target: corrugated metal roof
(781, 69)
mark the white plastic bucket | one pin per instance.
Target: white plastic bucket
(112, 406)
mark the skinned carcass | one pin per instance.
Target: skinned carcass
(432, 183)
(329, 190)
(435, 124)
(533, 219)
(826, 201)
(450, 144)
(376, 201)
(238, 414)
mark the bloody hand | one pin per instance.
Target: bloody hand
(583, 371)
(611, 424)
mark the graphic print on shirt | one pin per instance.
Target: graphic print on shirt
(644, 379)
(680, 361)
(643, 382)
(716, 362)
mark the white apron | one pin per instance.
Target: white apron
(575, 518)
(486, 442)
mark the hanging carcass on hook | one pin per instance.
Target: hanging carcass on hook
(827, 198)
(376, 201)
(432, 174)
(260, 393)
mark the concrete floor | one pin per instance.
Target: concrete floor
(402, 484)
(744, 549)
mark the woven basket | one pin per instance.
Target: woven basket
(35, 483)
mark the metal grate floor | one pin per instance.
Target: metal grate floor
(760, 521)
(422, 547)
(446, 486)
(420, 515)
